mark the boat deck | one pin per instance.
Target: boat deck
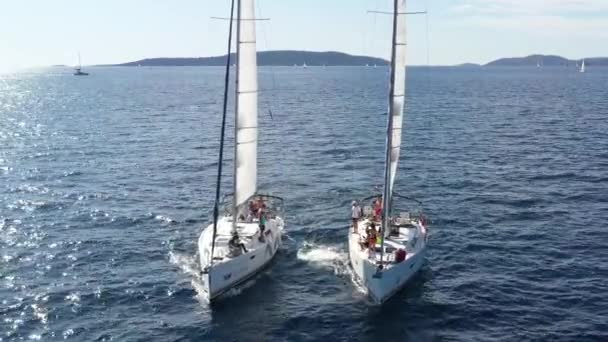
(249, 235)
(401, 238)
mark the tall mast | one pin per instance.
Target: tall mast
(386, 200)
(223, 130)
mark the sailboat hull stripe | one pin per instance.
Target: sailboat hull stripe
(247, 91)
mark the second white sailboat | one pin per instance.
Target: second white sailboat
(386, 250)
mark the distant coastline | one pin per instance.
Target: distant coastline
(332, 58)
(546, 60)
(269, 58)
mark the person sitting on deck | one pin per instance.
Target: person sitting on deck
(235, 246)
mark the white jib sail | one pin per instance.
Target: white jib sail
(246, 135)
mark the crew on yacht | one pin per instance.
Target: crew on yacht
(235, 246)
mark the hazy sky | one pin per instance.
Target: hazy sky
(46, 32)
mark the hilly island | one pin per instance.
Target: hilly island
(332, 58)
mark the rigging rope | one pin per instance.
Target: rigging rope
(223, 130)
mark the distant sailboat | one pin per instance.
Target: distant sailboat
(582, 66)
(78, 70)
(375, 66)
(304, 65)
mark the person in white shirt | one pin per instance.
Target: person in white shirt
(356, 215)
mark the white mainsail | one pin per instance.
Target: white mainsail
(583, 66)
(225, 262)
(246, 123)
(397, 97)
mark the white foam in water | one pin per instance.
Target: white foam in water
(187, 263)
(164, 219)
(199, 287)
(332, 256)
(329, 256)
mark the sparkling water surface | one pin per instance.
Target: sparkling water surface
(106, 182)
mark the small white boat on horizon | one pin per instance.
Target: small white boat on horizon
(78, 69)
(582, 66)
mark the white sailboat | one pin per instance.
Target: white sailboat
(243, 240)
(304, 65)
(385, 264)
(582, 66)
(78, 69)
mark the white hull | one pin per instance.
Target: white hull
(227, 272)
(395, 275)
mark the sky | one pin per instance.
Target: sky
(48, 32)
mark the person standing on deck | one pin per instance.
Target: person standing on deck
(262, 226)
(378, 209)
(372, 239)
(356, 215)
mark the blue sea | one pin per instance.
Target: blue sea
(106, 181)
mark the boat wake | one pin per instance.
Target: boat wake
(187, 263)
(190, 266)
(334, 257)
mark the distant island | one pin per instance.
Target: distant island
(546, 60)
(266, 58)
(333, 58)
(468, 65)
